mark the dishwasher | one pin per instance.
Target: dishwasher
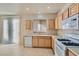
(28, 41)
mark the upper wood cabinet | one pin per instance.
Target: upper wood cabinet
(65, 14)
(28, 25)
(73, 9)
(58, 21)
(51, 24)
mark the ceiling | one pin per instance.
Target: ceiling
(30, 8)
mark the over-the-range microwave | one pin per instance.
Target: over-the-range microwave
(71, 22)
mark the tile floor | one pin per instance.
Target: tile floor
(15, 50)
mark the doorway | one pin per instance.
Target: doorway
(11, 30)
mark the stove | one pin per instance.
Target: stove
(62, 46)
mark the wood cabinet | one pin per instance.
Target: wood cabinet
(65, 14)
(71, 53)
(34, 41)
(48, 42)
(73, 9)
(58, 21)
(42, 41)
(28, 25)
(53, 42)
(51, 24)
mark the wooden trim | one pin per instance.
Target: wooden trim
(72, 51)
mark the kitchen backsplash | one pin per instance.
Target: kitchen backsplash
(53, 32)
(73, 33)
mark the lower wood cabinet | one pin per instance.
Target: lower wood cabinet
(42, 41)
(34, 41)
(48, 42)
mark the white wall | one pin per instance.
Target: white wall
(1, 30)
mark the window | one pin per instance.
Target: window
(39, 26)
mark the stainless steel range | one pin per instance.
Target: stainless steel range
(62, 46)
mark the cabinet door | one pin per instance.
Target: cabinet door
(48, 42)
(53, 43)
(34, 41)
(56, 23)
(41, 41)
(28, 25)
(73, 9)
(59, 21)
(51, 24)
(65, 14)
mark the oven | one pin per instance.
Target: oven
(59, 49)
(62, 46)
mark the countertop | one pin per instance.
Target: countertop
(41, 34)
(75, 50)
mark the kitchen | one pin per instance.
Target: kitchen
(44, 26)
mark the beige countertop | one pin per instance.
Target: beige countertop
(75, 50)
(40, 35)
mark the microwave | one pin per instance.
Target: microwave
(71, 23)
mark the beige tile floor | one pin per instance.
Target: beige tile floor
(15, 50)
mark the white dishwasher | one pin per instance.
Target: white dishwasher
(28, 41)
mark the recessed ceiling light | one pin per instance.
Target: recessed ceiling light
(48, 7)
(39, 12)
(27, 8)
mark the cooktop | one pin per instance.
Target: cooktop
(70, 44)
(63, 40)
